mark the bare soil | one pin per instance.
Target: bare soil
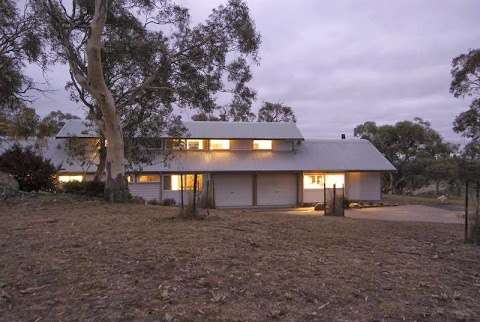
(64, 259)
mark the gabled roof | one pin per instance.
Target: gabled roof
(205, 130)
(310, 155)
(242, 130)
(77, 128)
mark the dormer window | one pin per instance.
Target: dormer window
(219, 144)
(194, 144)
(262, 144)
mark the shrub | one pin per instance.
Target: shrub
(32, 171)
(85, 188)
(169, 202)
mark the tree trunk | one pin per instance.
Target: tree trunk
(116, 185)
(437, 187)
(102, 160)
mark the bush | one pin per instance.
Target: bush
(32, 171)
(169, 202)
(85, 188)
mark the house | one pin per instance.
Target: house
(246, 165)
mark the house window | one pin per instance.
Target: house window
(262, 144)
(70, 178)
(174, 182)
(335, 179)
(148, 178)
(219, 144)
(130, 178)
(194, 144)
(313, 181)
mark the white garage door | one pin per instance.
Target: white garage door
(233, 190)
(277, 189)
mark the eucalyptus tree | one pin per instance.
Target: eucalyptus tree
(276, 112)
(19, 44)
(135, 63)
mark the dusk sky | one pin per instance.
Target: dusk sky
(341, 63)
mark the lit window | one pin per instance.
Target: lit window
(148, 178)
(174, 182)
(313, 181)
(219, 144)
(70, 178)
(335, 179)
(130, 178)
(194, 144)
(262, 144)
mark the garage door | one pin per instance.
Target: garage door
(276, 189)
(233, 190)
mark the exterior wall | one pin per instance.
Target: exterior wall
(282, 145)
(313, 195)
(147, 191)
(363, 186)
(243, 145)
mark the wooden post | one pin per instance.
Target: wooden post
(466, 211)
(324, 197)
(334, 201)
(195, 194)
(181, 190)
(476, 228)
(254, 189)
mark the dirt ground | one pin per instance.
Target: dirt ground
(70, 260)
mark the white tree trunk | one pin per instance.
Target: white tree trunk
(116, 186)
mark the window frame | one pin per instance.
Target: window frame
(168, 179)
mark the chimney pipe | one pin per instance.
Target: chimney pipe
(343, 136)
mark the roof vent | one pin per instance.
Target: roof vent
(343, 136)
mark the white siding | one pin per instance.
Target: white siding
(177, 196)
(233, 190)
(313, 195)
(276, 189)
(363, 186)
(147, 191)
(282, 145)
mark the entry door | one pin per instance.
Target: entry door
(233, 190)
(277, 189)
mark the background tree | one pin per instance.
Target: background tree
(412, 147)
(276, 112)
(51, 124)
(23, 123)
(19, 44)
(143, 59)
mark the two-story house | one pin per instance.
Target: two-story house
(247, 165)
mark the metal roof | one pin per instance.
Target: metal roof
(77, 128)
(205, 130)
(310, 155)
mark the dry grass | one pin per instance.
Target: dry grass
(89, 261)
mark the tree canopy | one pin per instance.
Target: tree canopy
(276, 112)
(413, 148)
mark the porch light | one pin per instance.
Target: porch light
(219, 144)
(262, 144)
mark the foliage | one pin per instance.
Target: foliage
(53, 122)
(169, 202)
(85, 188)
(276, 112)
(19, 44)
(23, 123)
(82, 151)
(417, 151)
(32, 171)
(154, 59)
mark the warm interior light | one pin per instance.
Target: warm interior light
(188, 179)
(148, 178)
(335, 179)
(70, 178)
(262, 144)
(219, 144)
(313, 181)
(130, 178)
(194, 144)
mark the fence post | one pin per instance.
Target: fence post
(466, 211)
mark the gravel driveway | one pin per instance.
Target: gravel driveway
(408, 213)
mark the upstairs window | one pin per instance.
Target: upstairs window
(148, 178)
(70, 178)
(262, 144)
(219, 144)
(194, 144)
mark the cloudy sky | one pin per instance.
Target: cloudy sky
(341, 63)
